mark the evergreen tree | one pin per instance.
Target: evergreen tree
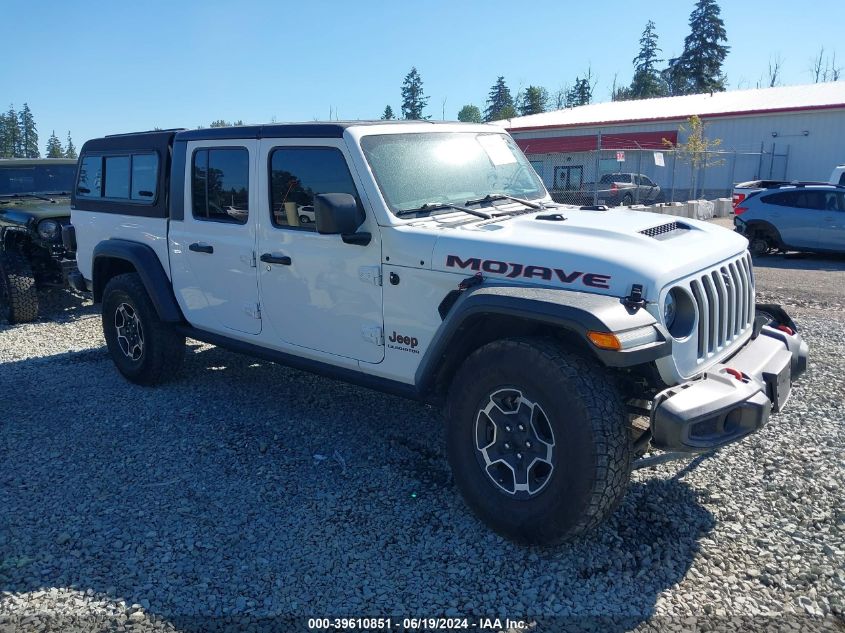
(580, 94)
(699, 67)
(387, 115)
(12, 134)
(70, 149)
(470, 114)
(534, 100)
(28, 133)
(647, 82)
(499, 99)
(413, 98)
(54, 147)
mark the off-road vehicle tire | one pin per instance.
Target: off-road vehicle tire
(145, 349)
(18, 294)
(572, 405)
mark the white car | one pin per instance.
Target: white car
(437, 267)
(306, 213)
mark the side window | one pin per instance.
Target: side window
(297, 174)
(784, 199)
(645, 180)
(833, 201)
(90, 177)
(624, 178)
(220, 184)
(144, 176)
(117, 176)
(842, 178)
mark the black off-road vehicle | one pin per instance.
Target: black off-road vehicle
(34, 210)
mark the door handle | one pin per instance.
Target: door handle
(199, 247)
(269, 258)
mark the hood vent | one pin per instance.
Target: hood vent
(660, 232)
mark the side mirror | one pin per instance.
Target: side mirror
(337, 213)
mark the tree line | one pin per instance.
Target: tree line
(19, 137)
(698, 69)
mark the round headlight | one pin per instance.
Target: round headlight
(679, 312)
(48, 229)
(669, 310)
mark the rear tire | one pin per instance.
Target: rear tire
(627, 200)
(568, 408)
(759, 246)
(146, 350)
(18, 294)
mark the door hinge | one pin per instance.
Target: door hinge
(373, 333)
(249, 260)
(370, 275)
(253, 310)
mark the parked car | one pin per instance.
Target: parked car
(306, 213)
(742, 190)
(617, 189)
(34, 209)
(542, 328)
(793, 217)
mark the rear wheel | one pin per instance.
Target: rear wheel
(18, 295)
(537, 440)
(627, 200)
(145, 349)
(759, 245)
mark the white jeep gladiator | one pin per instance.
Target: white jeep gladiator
(564, 342)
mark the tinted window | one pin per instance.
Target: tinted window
(144, 176)
(834, 201)
(90, 177)
(117, 177)
(297, 175)
(622, 178)
(842, 179)
(810, 199)
(220, 185)
(783, 199)
(646, 181)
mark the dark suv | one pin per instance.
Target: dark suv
(801, 217)
(34, 210)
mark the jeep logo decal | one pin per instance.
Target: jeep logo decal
(403, 343)
(512, 270)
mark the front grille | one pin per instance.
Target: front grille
(657, 231)
(724, 297)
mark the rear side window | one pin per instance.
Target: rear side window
(220, 184)
(297, 174)
(119, 177)
(782, 199)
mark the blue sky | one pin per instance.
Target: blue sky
(98, 68)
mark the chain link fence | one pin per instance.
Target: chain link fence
(648, 176)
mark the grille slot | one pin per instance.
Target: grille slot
(724, 299)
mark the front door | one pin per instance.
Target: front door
(317, 292)
(832, 231)
(212, 248)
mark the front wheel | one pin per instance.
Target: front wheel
(145, 349)
(537, 440)
(759, 246)
(18, 294)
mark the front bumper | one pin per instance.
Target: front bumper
(733, 398)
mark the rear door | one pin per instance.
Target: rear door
(796, 216)
(832, 231)
(212, 250)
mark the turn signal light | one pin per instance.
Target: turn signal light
(604, 340)
(786, 328)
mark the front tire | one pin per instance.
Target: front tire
(145, 349)
(18, 294)
(537, 440)
(759, 246)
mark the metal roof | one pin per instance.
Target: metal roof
(732, 103)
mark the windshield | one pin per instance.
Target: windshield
(449, 167)
(36, 178)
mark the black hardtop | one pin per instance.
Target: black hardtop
(315, 129)
(159, 140)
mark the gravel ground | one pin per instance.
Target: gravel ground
(246, 493)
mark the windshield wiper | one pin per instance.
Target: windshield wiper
(490, 197)
(434, 206)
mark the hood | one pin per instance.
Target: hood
(591, 251)
(38, 209)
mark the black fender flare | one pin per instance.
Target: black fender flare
(149, 268)
(575, 312)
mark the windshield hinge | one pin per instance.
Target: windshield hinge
(373, 333)
(370, 275)
(635, 301)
